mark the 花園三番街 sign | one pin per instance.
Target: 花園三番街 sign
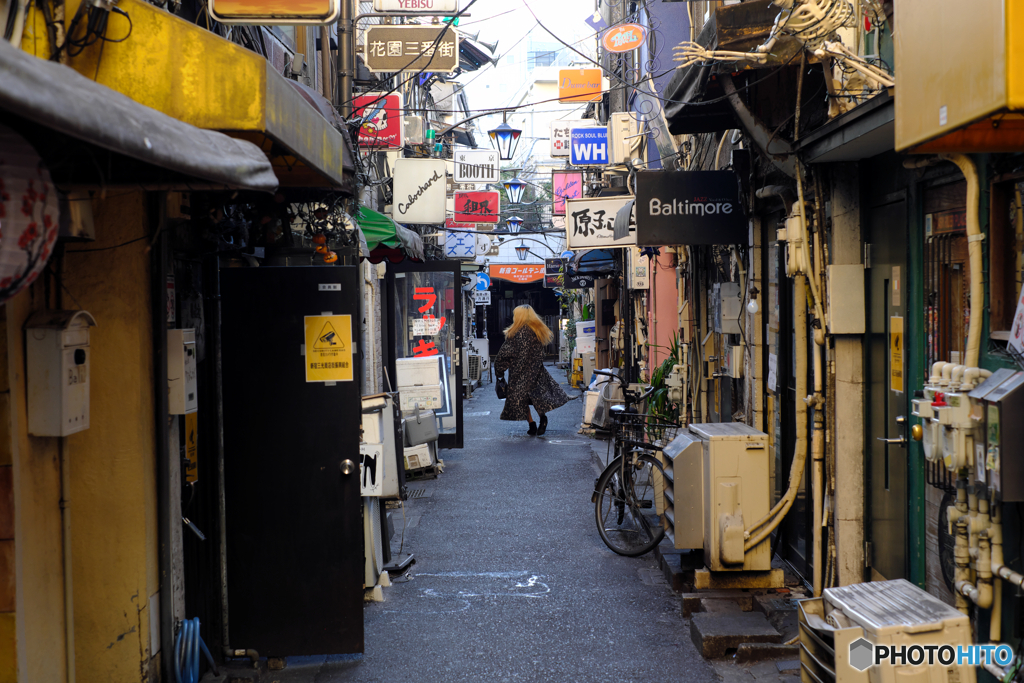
(329, 350)
(411, 48)
(580, 85)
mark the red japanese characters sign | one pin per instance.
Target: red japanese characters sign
(452, 225)
(382, 127)
(477, 207)
(518, 273)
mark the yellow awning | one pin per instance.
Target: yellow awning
(196, 76)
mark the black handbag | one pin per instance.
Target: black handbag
(501, 387)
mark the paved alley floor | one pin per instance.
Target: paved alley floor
(512, 581)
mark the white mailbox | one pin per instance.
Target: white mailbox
(57, 356)
(182, 393)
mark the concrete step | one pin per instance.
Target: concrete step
(720, 634)
(692, 602)
(678, 565)
(757, 652)
(781, 611)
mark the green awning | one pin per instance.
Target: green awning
(382, 230)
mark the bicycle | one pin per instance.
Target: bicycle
(630, 488)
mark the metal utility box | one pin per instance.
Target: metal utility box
(57, 357)
(1004, 432)
(382, 466)
(182, 392)
(728, 307)
(719, 475)
(978, 408)
(960, 82)
(846, 310)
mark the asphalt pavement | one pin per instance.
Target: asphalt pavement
(511, 580)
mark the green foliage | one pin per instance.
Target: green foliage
(659, 406)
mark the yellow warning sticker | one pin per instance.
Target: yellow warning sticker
(329, 348)
(192, 446)
(896, 354)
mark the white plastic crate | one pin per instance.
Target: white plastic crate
(418, 457)
(427, 398)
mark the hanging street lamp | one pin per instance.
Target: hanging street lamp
(513, 223)
(514, 189)
(505, 138)
(522, 251)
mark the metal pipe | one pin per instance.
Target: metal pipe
(346, 57)
(325, 63)
(817, 468)
(974, 238)
(69, 599)
(962, 559)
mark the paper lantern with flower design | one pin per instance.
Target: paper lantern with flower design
(29, 214)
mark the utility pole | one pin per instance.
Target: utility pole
(346, 56)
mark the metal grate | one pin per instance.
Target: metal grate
(417, 493)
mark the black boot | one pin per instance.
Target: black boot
(543, 425)
(532, 431)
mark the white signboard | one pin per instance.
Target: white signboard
(419, 190)
(459, 245)
(483, 298)
(415, 5)
(589, 223)
(560, 135)
(483, 244)
(639, 269)
(478, 166)
(426, 327)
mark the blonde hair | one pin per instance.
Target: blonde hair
(525, 316)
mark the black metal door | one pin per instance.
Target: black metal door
(425, 319)
(294, 517)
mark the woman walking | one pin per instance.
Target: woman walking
(528, 381)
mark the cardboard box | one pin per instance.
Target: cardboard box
(418, 457)
(587, 328)
(416, 372)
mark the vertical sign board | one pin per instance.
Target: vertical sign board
(688, 207)
(589, 223)
(420, 190)
(565, 185)
(589, 146)
(478, 166)
(328, 349)
(382, 124)
(560, 130)
(896, 354)
(477, 207)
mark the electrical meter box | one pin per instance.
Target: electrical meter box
(182, 392)
(979, 406)
(728, 307)
(1004, 432)
(57, 357)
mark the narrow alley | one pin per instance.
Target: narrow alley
(511, 580)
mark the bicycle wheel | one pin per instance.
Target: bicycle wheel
(626, 507)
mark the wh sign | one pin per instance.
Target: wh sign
(479, 166)
(588, 147)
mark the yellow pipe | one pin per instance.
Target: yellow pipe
(819, 333)
(974, 238)
(817, 469)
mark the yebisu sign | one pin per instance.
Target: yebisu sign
(688, 207)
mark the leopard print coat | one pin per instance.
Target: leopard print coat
(529, 382)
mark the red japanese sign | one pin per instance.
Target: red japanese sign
(382, 128)
(477, 207)
(518, 273)
(452, 225)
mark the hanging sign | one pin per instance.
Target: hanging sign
(420, 191)
(477, 207)
(382, 120)
(589, 146)
(558, 274)
(560, 136)
(478, 166)
(688, 207)
(580, 85)
(624, 38)
(459, 245)
(411, 48)
(520, 274)
(590, 222)
(565, 185)
(269, 12)
(329, 350)
(896, 354)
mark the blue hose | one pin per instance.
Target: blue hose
(187, 646)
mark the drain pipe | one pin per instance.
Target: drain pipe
(974, 238)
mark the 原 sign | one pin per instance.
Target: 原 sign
(517, 273)
(478, 166)
(624, 38)
(411, 48)
(688, 207)
(477, 207)
(382, 128)
(420, 191)
(589, 146)
(321, 12)
(560, 136)
(589, 223)
(580, 85)
(565, 185)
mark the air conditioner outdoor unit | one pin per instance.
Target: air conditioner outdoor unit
(473, 367)
(839, 631)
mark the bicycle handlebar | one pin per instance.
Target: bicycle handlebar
(625, 388)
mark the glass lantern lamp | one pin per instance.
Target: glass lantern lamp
(513, 223)
(515, 189)
(522, 251)
(505, 138)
